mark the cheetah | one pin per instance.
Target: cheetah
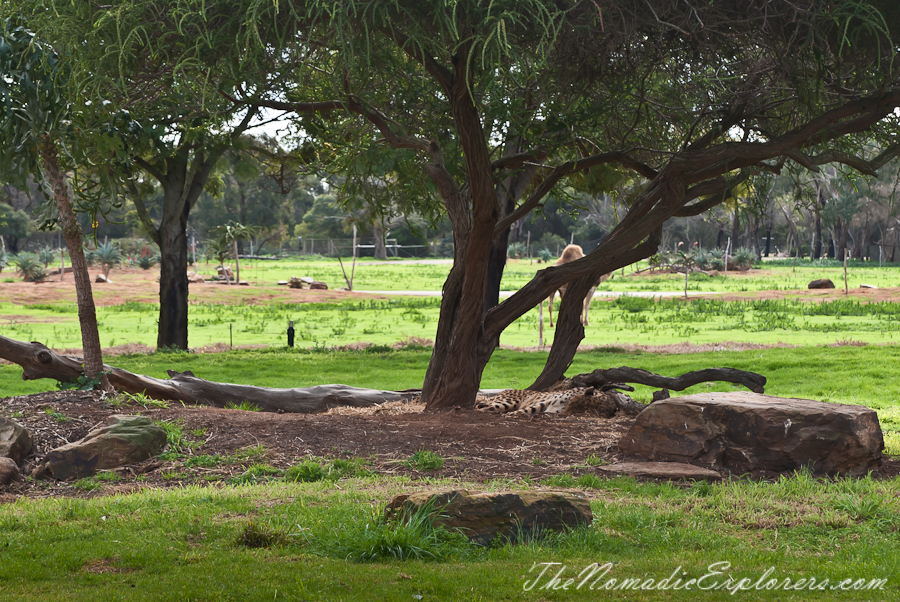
(516, 401)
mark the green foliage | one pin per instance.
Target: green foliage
(31, 269)
(57, 415)
(425, 460)
(106, 254)
(310, 470)
(177, 441)
(245, 405)
(257, 473)
(744, 258)
(14, 223)
(516, 250)
(145, 262)
(141, 399)
(82, 383)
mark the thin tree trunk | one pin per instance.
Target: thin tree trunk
(237, 264)
(87, 314)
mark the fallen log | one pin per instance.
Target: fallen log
(39, 361)
(600, 377)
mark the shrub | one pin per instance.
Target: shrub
(106, 255)
(145, 262)
(516, 250)
(30, 268)
(46, 255)
(744, 258)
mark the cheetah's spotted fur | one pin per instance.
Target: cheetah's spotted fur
(518, 401)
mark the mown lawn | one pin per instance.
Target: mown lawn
(192, 544)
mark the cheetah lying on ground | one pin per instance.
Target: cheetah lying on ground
(582, 400)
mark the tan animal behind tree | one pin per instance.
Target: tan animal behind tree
(571, 253)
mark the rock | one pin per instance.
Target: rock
(306, 279)
(745, 432)
(101, 278)
(867, 286)
(483, 517)
(672, 471)
(126, 440)
(243, 283)
(295, 282)
(15, 441)
(318, 286)
(225, 271)
(282, 282)
(823, 283)
(8, 471)
(194, 277)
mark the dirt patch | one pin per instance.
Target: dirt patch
(133, 284)
(475, 446)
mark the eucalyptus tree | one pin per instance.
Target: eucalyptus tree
(160, 105)
(489, 106)
(494, 104)
(36, 121)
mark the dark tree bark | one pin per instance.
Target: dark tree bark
(753, 381)
(173, 282)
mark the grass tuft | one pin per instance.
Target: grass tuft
(258, 535)
(424, 461)
(374, 537)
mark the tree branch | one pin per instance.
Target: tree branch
(151, 169)
(143, 214)
(569, 167)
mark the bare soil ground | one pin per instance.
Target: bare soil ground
(475, 446)
(134, 284)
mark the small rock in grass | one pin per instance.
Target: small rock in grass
(822, 283)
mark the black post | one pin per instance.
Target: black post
(290, 333)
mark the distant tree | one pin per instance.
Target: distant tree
(15, 225)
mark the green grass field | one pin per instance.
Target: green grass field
(285, 540)
(620, 321)
(296, 541)
(405, 275)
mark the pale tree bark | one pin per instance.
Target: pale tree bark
(87, 313)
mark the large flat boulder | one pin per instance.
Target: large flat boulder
(125, 440)
(15, 440)
(746, 432)
(483, 517)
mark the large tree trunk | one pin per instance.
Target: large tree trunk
(173, 282)
(87, 314)
(380, 247)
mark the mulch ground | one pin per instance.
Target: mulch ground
(475, 446)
